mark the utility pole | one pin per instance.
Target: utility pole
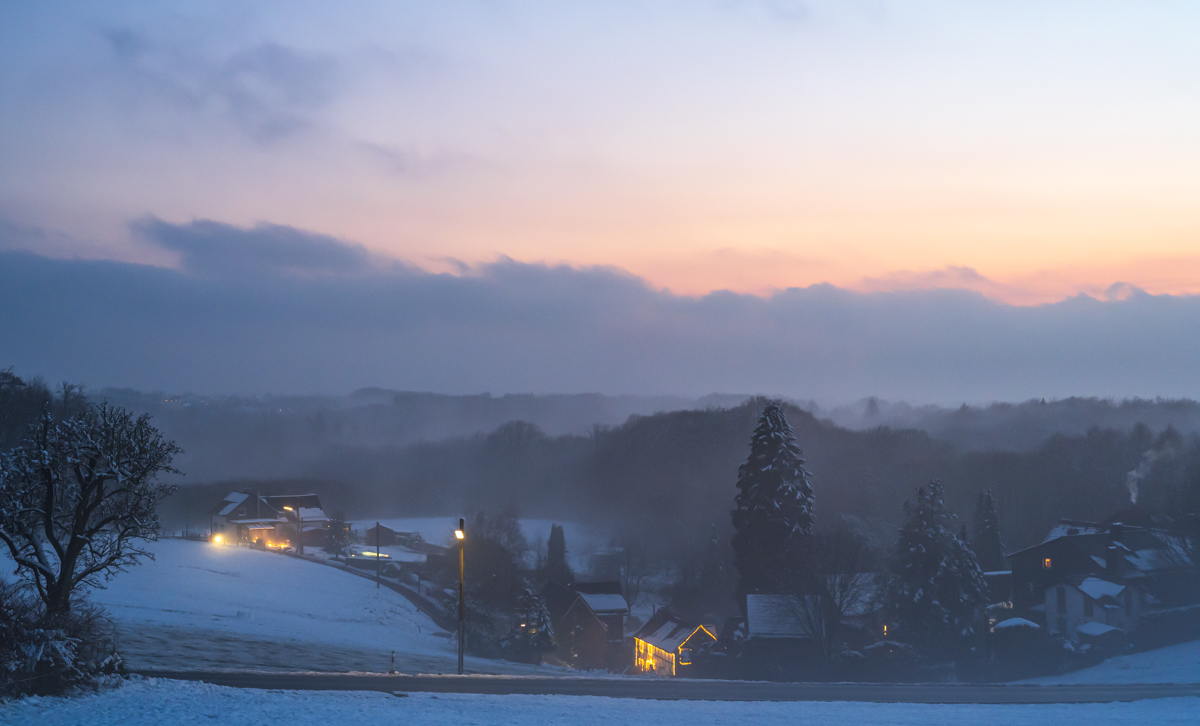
(461, 534)
(377, 557)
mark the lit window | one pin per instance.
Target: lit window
(1046, 563)
(885, 631)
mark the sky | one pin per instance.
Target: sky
(949, 173)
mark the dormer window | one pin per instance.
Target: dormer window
(1046, 564)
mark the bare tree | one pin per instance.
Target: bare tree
(78, 499)
(831, 576)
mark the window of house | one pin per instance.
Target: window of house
(1062, 599)
(1089, 607)
(1046, 563)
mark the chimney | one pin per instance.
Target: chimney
(1112, 561)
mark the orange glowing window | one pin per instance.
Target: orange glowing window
(885, 631)
(1046, 563)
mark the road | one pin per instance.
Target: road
(697, 690)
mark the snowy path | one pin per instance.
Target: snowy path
(156, 702)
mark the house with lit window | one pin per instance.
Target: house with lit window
(250, 518)
(664, 645)
(1087, 580)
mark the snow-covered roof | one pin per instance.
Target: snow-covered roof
(1017, 623)
(1094, 628)
(605, 603)
(312, 514)
(670, 635)
(774, 616)
(1071, 528)
(1096, 588)
(231, 501)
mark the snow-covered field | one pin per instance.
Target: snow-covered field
(1173, 664)
(156, 702)
(202, 606)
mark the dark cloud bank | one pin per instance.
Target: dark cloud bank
(274, 309)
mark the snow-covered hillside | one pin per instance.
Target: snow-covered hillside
(156, 702)
(204, 606)
(1173, 664)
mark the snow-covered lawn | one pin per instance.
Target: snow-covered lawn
(202, 606)
(1173, 664)
(156, 702)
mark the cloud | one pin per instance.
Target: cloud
(213, 248)
(268, 91)
(275, 309)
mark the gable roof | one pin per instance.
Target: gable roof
(230, 503)
(606, 603)
(668, 631)
(1096, 588)
(774, 616)
(1071, 528)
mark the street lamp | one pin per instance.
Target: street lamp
(460, 533)
(299, 530)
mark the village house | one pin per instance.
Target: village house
(1087, 580)
(250, 518)
(589, 623)
(664, 645)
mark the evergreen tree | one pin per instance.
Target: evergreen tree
(935, 587)
(557, 569)
(774, 504)
(531, 634)
(339, 536)
(987, 544)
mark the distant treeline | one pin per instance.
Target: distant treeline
(667, 479)
(664, 481)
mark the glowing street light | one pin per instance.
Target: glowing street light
(216, 539)
(460, 533)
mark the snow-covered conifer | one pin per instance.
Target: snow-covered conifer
(531, 634)
(935, 587)
(774, 503)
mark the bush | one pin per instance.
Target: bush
(1167, 627)
(889, 660)
(40, 658)
(1025, 650)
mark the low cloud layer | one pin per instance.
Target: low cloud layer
(275, 309)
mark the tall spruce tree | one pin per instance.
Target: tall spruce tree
(557, 569)
(987, 544)
(774, 504)
(935, 588)
(531, 634)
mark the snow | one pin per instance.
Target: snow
(1096, 588)
(1173, 664)
(1017, 623)
(774, 616)
(204, 606)
(1094, 628)
(154, 702)
(605, 603)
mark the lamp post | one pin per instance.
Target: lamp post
(460, 533)
(299, 530)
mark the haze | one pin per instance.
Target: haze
(820, 200)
